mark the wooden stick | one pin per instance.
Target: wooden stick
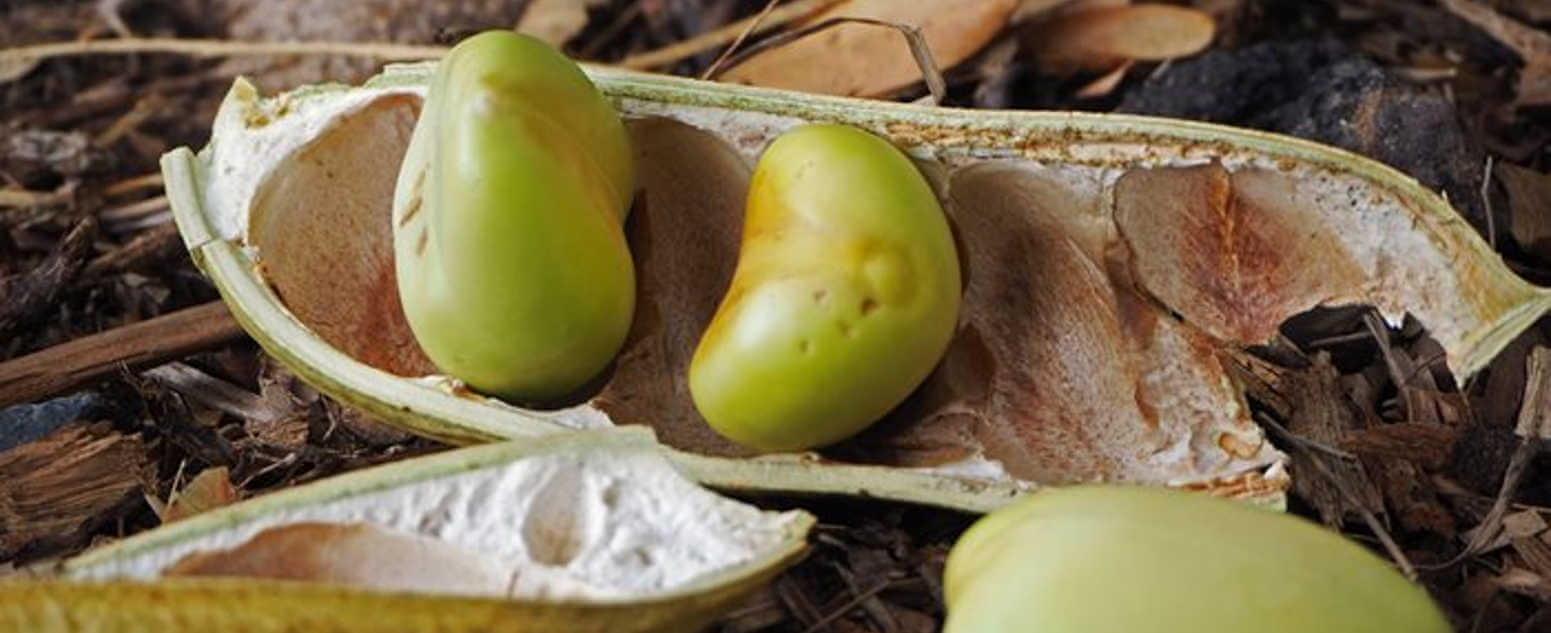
(69, 365)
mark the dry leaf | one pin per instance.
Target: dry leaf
(556, 21)
(869, 60)
(1098, 39)
(210, 489)
(1532, 45)
(1107, 83)
(1529, 207)
(1030, 9)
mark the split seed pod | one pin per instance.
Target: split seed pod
(1091, 559)
(846, 294)
(510, 255)
(572, 533)
(1112, 266)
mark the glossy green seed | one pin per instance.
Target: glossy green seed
(508, 221)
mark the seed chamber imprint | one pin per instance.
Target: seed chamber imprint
(1106, 282)
(603, 524)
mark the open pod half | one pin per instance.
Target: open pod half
(1110, 262)
(592, 531)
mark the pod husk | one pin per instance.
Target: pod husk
(107, 589)
(1071, 199)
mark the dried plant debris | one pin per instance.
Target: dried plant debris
(1533, 47)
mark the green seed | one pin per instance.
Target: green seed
(508, 221)
(1101, 559)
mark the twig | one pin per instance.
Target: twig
(159, 242)
(620, 23)
(216, 48)
(1301, 441)
(143, 110)
(154, 341)
(724, 35)
(922, 53)
(715, 66)
(1402, 382)
(1486, 199)
(26, 198)
(1374, 525)
(846, 608)
(132, 185)
(1341, 339)
(134, 211)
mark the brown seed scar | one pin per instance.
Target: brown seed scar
(410, 209)
(416, 198)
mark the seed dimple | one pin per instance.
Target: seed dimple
(425, 235)
(845, 328)
(804, 346)
(868, 305)
(818, 295)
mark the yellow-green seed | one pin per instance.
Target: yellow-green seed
(845, 295)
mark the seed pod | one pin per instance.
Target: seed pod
(511, 258)
(1103, 285)
(1109, 558)
(845, 295)
(575, 533)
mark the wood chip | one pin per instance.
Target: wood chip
(1529, 207)
(33, 295)
(1535, 552)
(54, 490)
(1429, 445)
(1320, 414)
(1535, 414)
